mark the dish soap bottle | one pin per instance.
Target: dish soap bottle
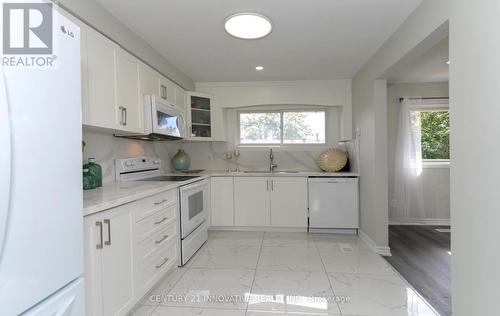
(95, 171)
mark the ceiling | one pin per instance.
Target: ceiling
(313, 39)
(430, 66)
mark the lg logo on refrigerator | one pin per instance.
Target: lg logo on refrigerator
(27, 28)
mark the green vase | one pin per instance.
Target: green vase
(181, 161)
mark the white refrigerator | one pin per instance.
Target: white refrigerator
(41, 218)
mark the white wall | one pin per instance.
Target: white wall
(314, 92)
(370, 107)
(475, 148)
(95, 15)
(435, 179)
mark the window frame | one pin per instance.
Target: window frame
(434, 163)
(280, 112)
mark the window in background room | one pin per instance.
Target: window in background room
(282, 127)
(435, 134)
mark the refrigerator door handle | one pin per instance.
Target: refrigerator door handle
(5, 159)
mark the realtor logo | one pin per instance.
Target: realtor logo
(27, 28)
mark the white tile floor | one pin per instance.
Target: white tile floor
(260, 274)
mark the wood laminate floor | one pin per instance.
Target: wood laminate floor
(422, 256)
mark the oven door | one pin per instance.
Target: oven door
(194, 206)
(167, 119)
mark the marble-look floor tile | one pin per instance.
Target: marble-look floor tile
(292, 292)
(142, 311)
(227, 257)
(339, 240)
(212, 288)
(190, 311)
(283, 313)
(229, 238)
(275, 239)
(165, 285)
(382, 295)
(360, 261)
(290, 259)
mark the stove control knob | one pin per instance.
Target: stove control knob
(128, 163)
(134, 163)
(156, 162)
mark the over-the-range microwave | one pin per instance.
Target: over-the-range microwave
(162, 121)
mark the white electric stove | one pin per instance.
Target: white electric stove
(193, 200)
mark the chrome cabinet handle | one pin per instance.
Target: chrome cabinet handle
(125, 111)
(99, 224)
(108, 222)
(122, 120)
(161, 221)
(161, 202)
(267, 185)
(161, 239)
(163, 263)
(272, 185)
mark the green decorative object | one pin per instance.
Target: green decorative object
(95, 171)
(181, 161)
(88, 180)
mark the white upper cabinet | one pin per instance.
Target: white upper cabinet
(289, 202)
(113, 86)
(221, 199)
(167, 90)
(101, 109)
(252, 201)
(180, 97)
(130, 113)
(149, 81)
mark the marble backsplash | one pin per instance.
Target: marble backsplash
(204, 155)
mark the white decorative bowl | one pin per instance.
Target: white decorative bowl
(332, 160)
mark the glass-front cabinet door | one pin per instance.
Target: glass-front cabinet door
(200, 116)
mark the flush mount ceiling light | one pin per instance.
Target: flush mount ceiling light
(259, 68)
(248, 25)
(447, 62)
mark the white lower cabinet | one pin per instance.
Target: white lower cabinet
(289, 202)
(259, 202)
(109, 269)
(222, 201)
(127, 250)
(252, 201)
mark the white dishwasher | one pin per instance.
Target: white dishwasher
(333, 204)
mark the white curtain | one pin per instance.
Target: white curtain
(408, 189)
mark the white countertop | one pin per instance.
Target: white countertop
(114, 194)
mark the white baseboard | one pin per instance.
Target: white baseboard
(423, 221)
(383, 251)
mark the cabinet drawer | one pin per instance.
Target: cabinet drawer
(154, 267)
(151, 245)
(149, 225)
(152, 204)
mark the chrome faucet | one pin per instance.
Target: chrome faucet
(272, 166)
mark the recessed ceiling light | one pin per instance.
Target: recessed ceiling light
(259, 68)
(448, 62)
(248, 25)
